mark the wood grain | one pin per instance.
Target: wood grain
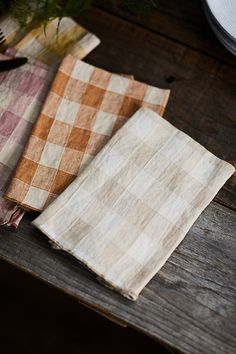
(203, 90)
(179, 20)
(189, 305)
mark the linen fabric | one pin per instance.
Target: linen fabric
(84, 108)
(49, 45)
(22, 92)
(132, 206)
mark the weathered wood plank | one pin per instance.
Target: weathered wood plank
(203, 90)
(181, 20)
(189, 305)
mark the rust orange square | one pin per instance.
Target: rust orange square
(130, 106)
(112, 102)
(93, 96)
(100, 78)
(61, 181)
(42, 127)
(78, 139)
(26, 170)
(86, 117)
(59, 84)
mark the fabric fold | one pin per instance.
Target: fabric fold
(51, 43)
(132, 206)
(85, 107)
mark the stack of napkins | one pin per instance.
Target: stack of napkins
(129, 209)
(118, 185)
(23, 90)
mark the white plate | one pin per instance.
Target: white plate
(225, 13)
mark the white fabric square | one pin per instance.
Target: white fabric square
(118, 84)
(140, 184)
(111, 164)
(104, 123)
(51, 155)
(67, 111)
(153, 95)
(35, 199)
(33, 110)
(11, 153)
(135, 233)
(6, 95)
(82, 71)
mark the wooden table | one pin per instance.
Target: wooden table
(189, 305)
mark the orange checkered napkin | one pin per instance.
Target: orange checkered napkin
(84, 108)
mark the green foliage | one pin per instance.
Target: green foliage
(45, 10)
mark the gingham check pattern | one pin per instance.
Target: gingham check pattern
(132, 206)
(85, 106)
(22, 92)
(49, 45)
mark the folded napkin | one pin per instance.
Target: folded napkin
(51, 44)
(22, 92)
(131, 207)
(85, 106)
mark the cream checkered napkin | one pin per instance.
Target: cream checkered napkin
(132, 206)
(84, 108)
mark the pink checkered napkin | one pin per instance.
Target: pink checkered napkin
(22, 92)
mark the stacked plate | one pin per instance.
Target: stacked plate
(221, 15)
